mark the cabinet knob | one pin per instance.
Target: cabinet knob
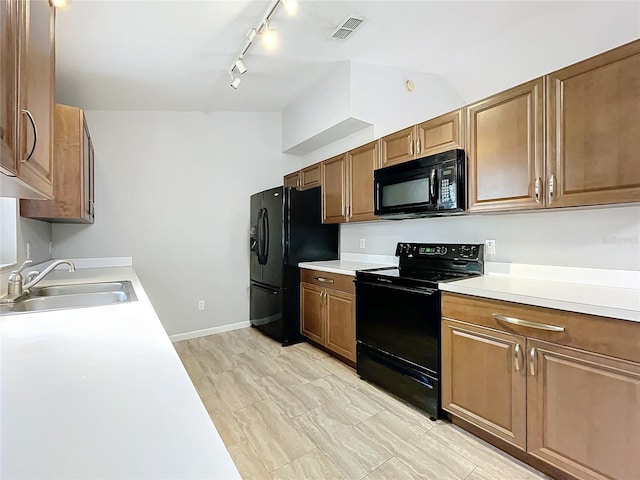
(410, 145)
(537, 189)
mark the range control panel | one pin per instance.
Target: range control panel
(451, 251)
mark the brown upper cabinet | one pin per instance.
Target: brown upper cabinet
(28, 77)
(428, 138)
(440, 134)
(9, 33)
(593, 123)
(505, 149)
(352, 200)
(398, 147)
(308, 177)
(334, 182)
(74, 173)
(591, 117)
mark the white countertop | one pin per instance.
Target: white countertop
(583, 297)
(101, 393)
(344, 267)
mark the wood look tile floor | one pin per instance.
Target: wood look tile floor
(296, 413)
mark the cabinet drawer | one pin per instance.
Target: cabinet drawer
(617, 338)
(334, 281)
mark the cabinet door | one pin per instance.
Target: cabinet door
(333, 190)
(292, 180)
(310, 176)
(312, 312)
(440, 134)
(8, 85)
(37, 67)
(484, 379)
(583, 412)
(341, 323)
(361, 163)
(593, 114)
(505, 150)
(398, 147)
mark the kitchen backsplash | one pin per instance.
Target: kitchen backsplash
(597, 238)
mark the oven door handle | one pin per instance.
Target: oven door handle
(420, 291)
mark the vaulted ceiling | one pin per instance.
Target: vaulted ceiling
(175, 55)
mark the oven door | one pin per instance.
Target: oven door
(403, 322)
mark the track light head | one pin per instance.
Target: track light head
(235, 82)
(269, 36)
(291, 6)
(240, 66)
(252, 34)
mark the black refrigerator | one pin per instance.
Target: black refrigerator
(286, 228)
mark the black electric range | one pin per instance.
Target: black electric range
(398, 318)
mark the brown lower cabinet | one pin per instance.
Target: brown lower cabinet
(327, 311)
(538, 388)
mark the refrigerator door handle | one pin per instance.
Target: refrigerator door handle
(265, 289)
(265, 217)
(260, 244)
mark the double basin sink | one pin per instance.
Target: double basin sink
(58, 297)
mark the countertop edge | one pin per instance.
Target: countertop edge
(599, 310)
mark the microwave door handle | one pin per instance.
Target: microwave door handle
(432, 187)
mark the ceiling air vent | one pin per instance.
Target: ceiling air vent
(346, 27)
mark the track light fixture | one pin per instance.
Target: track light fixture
(291, 6)
(268, 35)
(241, 68)
(235, 81)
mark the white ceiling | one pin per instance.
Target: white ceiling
(175, 55)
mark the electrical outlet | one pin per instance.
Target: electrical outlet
(362, 243)
(201, 305)
(28, 251)
(490, 247)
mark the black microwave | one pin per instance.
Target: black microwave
(429, 186)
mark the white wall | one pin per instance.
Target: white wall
(38, 234)
(379, 96)
(597, 238)
(172, 191)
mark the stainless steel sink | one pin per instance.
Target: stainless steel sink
(82, 288)
(80, 295)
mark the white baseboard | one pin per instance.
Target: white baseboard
(178, 337)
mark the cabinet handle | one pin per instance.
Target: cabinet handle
(527, 323)
(324, 280)
(92, 208)
(532, 361)
(552, 186)
(35, 135)
(537, 189)
(410, 145)
(518, 356)
(418, 146)
(348, 212)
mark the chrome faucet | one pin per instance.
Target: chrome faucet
(17, 288)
